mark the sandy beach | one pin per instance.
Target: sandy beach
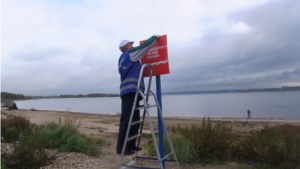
(106, 126)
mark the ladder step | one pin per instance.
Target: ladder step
(152, 106)
(133, 137)
(156, 159)
(136, 122)
(128, 166)
(167, 156)
(143, 107)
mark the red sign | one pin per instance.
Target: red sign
(158, 55)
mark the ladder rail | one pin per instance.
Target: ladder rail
(127, 132)
(166, 131)
(153, 134)
(145, 99)
(134, 106)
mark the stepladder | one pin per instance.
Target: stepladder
(161, 159)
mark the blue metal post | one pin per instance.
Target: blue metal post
(160, 125)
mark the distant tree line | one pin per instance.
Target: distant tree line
(77, 95)
(7, 99)
(12, 96)
(283, 88)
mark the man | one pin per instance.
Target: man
(129, 70)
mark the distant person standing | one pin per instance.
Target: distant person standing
(249, 112)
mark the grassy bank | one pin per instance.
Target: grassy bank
(205, 142)
(31, 141)
(271, 147)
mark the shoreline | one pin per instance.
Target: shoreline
(92, 123)
(173, 117)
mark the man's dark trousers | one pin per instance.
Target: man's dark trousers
(127, 103)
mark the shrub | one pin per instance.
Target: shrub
(11, 134)
(149, 146)
(29, 153)
(101, 142)
(210, 143)
(70, 122)
(274, 146)
(29, 150)
(12, 125)
(32, 140)
(67, 138)
(205, 143)
(6, 102)
(183, 147)
(3, 163)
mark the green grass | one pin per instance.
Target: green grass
(210, 143)
(207, 143)
(272, 147)
(66, 138)
(276, 147)
(3, 163)
(30, 141)
(12, 125)
(148, 135)
(29, 153)
(183, 148)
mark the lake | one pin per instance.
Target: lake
(277, 105)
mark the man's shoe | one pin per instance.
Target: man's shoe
(135, 148)
(127, 152)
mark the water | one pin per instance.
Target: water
(277, 105)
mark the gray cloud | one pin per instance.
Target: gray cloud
(50, 49)
(32, 55)
(265, 56)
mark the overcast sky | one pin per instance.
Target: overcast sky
(52, 47)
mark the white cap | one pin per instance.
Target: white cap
(124, 42)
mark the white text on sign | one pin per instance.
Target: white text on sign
(153, 52)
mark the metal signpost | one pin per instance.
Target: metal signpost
(158, 54)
